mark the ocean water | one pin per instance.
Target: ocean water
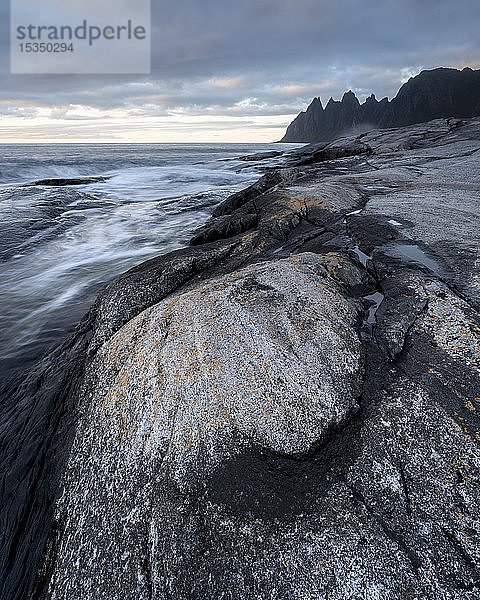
(60, 245)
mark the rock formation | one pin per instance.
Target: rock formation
(60, 182)
(288, 408)
(430, 95)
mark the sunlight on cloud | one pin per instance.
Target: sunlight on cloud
(202, 128)
(228, 82)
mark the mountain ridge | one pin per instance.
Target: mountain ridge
(432, 94)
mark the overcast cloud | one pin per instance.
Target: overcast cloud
(225, 70)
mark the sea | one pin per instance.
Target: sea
(59, 246)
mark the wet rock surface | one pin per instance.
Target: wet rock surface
(286, 409)
(60, 182)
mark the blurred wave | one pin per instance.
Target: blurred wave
(60, 245)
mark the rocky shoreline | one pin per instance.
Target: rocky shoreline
(288, 408)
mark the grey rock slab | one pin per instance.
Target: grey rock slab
(264, 360)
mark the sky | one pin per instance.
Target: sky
(240, 71)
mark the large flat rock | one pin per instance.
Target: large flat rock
(265, 360)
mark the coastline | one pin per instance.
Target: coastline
(353, 198)
(115, 208)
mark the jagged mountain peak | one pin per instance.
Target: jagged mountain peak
(436, 93)
(316, 104)
(349, 98)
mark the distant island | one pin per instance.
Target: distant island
(434, 94)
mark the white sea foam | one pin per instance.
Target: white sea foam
(61, 244)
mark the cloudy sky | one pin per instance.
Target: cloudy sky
(240, 70)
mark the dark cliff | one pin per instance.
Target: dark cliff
(434, 94)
